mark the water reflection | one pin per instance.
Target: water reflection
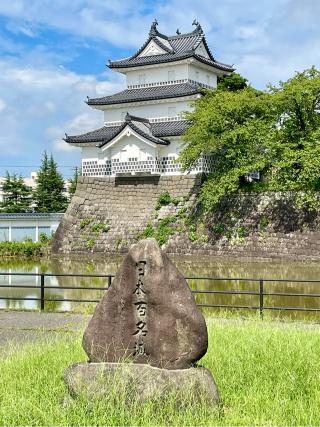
(189, 266)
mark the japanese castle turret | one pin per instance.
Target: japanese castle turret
(143, 124)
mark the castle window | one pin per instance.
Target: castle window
(208, 79)
(171, 75)
(142, 79)
(197, 76)
(171, 111)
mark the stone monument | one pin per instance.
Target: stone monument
(146, 330)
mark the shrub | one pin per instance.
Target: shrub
(90, 243)
(164, 199)
(100, 228)
(44, 238)
(219, 228)
(85, 222)
(26, 248)
(264, 221)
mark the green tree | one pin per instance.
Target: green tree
(73, 182)
(17, 195)
(297, 103)
(237, 129)
(232, 83)
(276, 131)
(49, 193)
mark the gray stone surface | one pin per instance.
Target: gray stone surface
(140, 382)
(148, 315)
(127, 206)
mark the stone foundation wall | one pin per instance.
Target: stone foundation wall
(109, 214)
(262, 225)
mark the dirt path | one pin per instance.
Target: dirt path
(18, 328)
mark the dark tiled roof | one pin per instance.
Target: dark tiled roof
(152, 131)
(99, 135)
(146, 132)
(174, 128)
(148, 93)
(31, 215)
(183, 46)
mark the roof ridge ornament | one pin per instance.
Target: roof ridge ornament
(198, 28)
(153, 30)
(178, 31)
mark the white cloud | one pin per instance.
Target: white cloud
(83, 122)
(41, 104)
(266, 40)
(2, 105)
(281, 31)
(110, 86)
(79, 124)
(44, 79)
(61, 146)
(16, 28)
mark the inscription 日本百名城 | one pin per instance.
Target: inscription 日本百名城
(141, 307)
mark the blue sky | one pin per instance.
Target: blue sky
(53, 54)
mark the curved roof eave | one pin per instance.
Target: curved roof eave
(213, 63)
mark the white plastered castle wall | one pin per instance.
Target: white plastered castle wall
(159, 74)
(171, 72)
(129, 147)
(165, 109)
(202, 75)
(171, 150)
(126, 148)
(131, 151)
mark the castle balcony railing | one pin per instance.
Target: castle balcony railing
(151, 120)
(169, 82)
(162, 165)
(132, 166)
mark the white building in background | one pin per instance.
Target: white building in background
(31, 182)
(22, 226)
(143, 124)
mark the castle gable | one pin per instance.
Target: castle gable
(140, 129)
(202, 51)
(159, 49)
(151, 49)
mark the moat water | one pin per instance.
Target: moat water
(189, 266)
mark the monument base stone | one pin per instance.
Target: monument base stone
(140, 382)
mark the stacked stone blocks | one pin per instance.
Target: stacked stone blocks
(123, 205)
(109, 214)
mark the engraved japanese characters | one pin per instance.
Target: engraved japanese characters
(148, 315)
(141, 311)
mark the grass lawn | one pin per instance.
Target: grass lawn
(268, 373)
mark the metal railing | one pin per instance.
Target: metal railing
(260, 293)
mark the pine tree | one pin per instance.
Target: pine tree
(17, 195)
(49, 193)
(73, 182)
